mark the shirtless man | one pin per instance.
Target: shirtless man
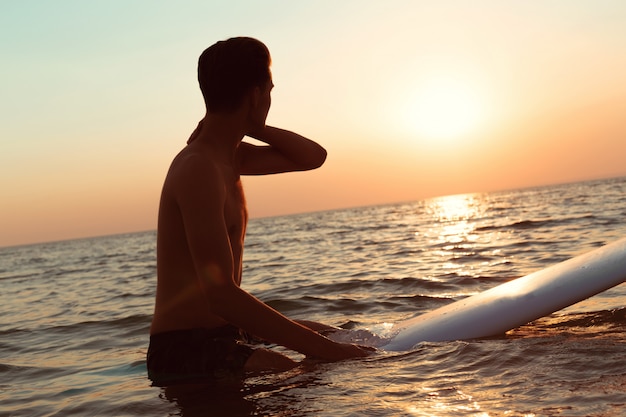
(200, 308)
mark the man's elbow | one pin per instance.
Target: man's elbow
(318, 159)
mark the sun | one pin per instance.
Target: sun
(444, 109)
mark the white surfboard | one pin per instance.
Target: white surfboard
(509, 305)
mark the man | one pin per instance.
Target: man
(200, 307)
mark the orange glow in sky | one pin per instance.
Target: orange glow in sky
(412, 99)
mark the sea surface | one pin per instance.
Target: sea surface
(74, 315)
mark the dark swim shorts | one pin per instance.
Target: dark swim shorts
(197, 355)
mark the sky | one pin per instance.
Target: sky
(412, 99)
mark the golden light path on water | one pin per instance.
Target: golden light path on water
(454, 225)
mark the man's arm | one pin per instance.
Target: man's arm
(285, 152)
(201, 196)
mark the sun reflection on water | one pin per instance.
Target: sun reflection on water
(446, 402)
(454, 218)
(454, 238)
(455, 207)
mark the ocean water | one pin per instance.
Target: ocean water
(74, 315)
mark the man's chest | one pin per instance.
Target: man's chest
(235, 212)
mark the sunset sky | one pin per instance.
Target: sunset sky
(412, 99)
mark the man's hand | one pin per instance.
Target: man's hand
(195, 133)
(344, 351)
(357, 351)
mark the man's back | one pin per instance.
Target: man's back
(180, 302)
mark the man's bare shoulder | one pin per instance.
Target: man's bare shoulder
(192, 166)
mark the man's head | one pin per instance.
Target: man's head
(230, 69)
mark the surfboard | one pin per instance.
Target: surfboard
(517, 302)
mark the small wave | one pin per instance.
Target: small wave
(536, 224)
(598, 324)
(470, 258)
(471, 281)
(410, 284)
(14, 372)
(20, 276)
(12, 332)
(379, 286)
(326, 304)
(130, 323)
(422, 299)
(123, 322)
(609, 318)
(520, 225)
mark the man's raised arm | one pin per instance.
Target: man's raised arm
(285, 152)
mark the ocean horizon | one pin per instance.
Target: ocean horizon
(351, 207)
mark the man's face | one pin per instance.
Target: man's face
(265, 101)
(262, 102)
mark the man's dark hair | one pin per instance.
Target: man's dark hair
(229, 69)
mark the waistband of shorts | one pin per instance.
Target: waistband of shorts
(227, 331)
